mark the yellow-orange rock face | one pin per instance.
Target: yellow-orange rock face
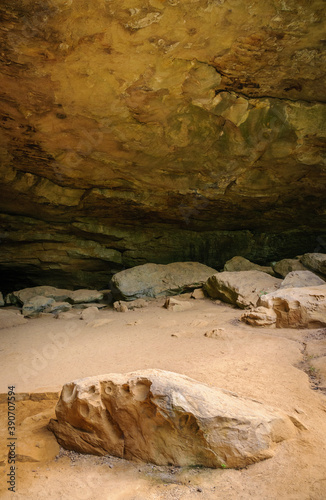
(123, 123)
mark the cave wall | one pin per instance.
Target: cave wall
(159, 130)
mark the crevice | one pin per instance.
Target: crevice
(285, 99)
(306, 366)
(243, 94)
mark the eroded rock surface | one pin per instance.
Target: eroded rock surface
(155, 280)
(241, 288)
(166, 418)
(303, 307)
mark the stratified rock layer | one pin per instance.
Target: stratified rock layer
(166, 418)
(158, 132)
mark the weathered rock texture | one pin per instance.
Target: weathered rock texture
(155, 280)
(315, 261)
(241, 288)
(166, 418)
(293, 307)
(158, 131)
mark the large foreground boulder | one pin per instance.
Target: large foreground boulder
(156, 280)
(303, 307)
(315, 261)
(166, 418)
(243, 288)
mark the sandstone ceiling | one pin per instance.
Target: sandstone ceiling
(158, 130)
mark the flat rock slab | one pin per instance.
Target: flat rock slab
(239, 263)
(166, 418)
(156, 280)
(298, 279)
(298, 307)
(58, 294)
(241, 288)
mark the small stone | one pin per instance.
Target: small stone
(89, 314)
(198, 294)
(175, 305)
(120, 306)
(215, 334)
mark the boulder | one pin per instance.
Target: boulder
(2, 302)
(315, 261)
(26, 294)
(242, 288)
(156, 280)
(241, 264)
(166, 418)
(285, 266)
(303, 307)
(298, 279)
(80, 296)
(9, 319)
(58, 307)
(37, 305)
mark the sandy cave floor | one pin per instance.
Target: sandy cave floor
(257, 363)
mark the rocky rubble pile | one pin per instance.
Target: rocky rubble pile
(298, 300)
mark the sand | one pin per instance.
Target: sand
(263, 364)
